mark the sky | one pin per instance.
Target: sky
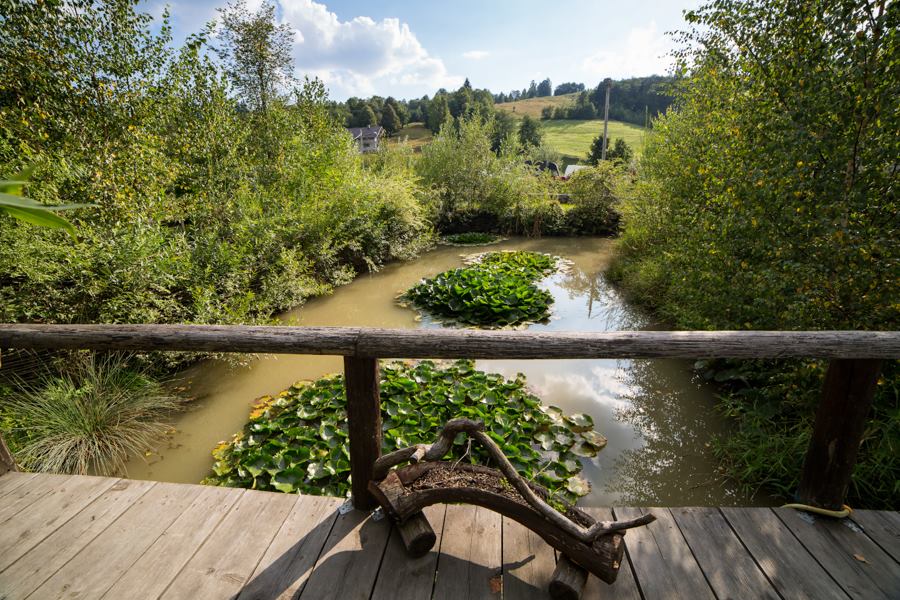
(407, 49)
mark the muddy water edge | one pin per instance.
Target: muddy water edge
(658, 418)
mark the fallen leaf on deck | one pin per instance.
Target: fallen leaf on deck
(860, 558)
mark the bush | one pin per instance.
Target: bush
(477, 189)
(89, 418)
(593, 193)
(471, 238)
(296, 442)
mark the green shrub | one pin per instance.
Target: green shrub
(471, 238)
(592, 191)
(89, 418)
(497, 290)
(469, 178)
(297, 441)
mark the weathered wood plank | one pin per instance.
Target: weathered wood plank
(851, 557)
(158, 566)
(41, 518)
(847, 395)
(662, 561)
(470, 564)
(12, 480)
(348, 566)
(364, 423)
(729, 568)
(793, 571)
(625, 587)
(42, 561)
(456, 343)
(100, 563)
(403, 577)
(883, 527)
(289, 560)
(528, 562)
(29, 492)
(228, 557)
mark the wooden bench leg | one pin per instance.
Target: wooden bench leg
(417, 535)
(568, 580)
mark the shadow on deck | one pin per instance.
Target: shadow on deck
(92, 537)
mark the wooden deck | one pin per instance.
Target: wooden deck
(93, 537)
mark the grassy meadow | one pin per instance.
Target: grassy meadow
(573, 139)
(533, 106)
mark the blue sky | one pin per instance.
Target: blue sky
(410, 48)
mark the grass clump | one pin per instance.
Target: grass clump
(297, 441)
(471, 238)
(89, 418)
(497, 289)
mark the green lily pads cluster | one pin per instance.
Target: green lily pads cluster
(471, 238)
(496, 289)
(297, 441)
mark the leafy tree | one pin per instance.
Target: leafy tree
(767, 200)
(256, 52)
(532, 90)
(438, 113)
(568, 88)
(504, 128)
(531, 133)
(545, 88)
(547, 113)
(368, 117)
(390, 121)
(620, 151)
(595, 154)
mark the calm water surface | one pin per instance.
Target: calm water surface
(657, 417)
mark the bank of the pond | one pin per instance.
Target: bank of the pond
(657, 418)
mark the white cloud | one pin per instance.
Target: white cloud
(476, 54)
(360, 56)
(645, 52)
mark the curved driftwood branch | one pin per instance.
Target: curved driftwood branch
(476, 430)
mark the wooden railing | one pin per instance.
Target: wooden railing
(850, 382)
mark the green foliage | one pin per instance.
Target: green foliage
(471, 238)
(467, 176)
(29, 211)
(390, 121)
(767, 200)
(297, 441)
(87, 419)
(207, 210)
(592, 191)
(531, 134)
(620, 152)
(497, 290)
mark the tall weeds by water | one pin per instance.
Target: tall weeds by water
(89, 417)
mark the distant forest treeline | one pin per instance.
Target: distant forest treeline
(633, 100)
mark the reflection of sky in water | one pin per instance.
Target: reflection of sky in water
(657, 420)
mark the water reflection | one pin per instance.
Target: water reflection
(657, 420)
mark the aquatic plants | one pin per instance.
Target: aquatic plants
(89, 418)
(297, 441)
(496, 289)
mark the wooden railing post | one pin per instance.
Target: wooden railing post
(7, 461)
(364, 417)
(840, 423)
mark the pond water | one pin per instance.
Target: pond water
(657, 417)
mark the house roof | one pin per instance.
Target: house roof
(366, 132)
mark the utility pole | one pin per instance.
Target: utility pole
(606, 120)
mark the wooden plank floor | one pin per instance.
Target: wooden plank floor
(92, 537)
